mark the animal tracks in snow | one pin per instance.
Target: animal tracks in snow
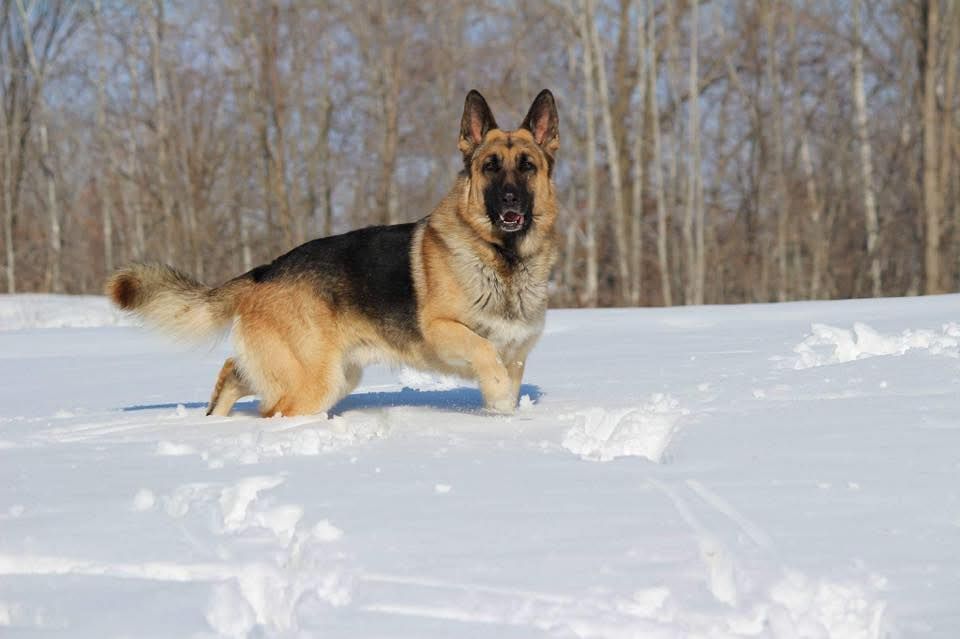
(269, 563)
(774, 601)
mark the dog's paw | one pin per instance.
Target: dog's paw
(502, 406)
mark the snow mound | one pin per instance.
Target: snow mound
(57, 311)
(601, 434)
(824, 609)
(828, 345)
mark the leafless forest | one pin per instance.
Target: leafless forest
(712, 152)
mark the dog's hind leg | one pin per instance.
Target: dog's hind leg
(352, 373)
(290, 350)
(229, 388)
(318, 387)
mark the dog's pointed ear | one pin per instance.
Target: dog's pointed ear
(543, 122)
(477, 120)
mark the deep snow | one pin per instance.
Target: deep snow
(754, 471)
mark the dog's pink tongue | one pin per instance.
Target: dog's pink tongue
(511, 217)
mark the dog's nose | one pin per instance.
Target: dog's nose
(509, 198)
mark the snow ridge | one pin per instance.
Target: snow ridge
(828, 345)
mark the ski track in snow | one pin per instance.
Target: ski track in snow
(273, 560)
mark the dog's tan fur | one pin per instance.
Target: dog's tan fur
(478, 314)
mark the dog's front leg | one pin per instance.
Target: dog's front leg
(515, 370)
(454, 342)
(516, 363)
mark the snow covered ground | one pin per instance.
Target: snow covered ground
(788, 471)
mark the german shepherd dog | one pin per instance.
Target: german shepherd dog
(463, 291)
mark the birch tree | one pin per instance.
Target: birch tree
(39, 68)
(639, 128)
(102, 138)
(618, 212)
(664, 265)
(932, 202)
(590, 290)
(695, 188)
(866, 155)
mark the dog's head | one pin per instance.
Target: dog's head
(511, 191)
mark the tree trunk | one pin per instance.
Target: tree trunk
(866, 155)
(816, 207)
(277, 151)
(318, 171)
(9, 134)
(619, 217)
(695, 188)
(662, 258)
(160, 133)
(639, 127)
(102, 142)
(573, 145)
(46, 158)
(590, 285)
(390, 86)
(779, 199)
(947, 178)
(131, 200)
(932, 202)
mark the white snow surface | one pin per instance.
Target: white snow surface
(57, 311)
(785, 471)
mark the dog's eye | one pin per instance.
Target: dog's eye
(492, 165)
(526, 165)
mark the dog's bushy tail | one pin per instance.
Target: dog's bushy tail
(174, 302)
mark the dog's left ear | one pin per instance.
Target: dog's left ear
(476, 122)
(544, 123)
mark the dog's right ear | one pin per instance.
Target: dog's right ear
(477, 120)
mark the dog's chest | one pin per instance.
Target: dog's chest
(508, 311)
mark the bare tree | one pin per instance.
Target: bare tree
(618, 211)
(932, 197)
(771, 14)
(161, 141)
(59, 17)
(11, 135)
(665, 288)
(866, 155)
(948, 180)
(137, 240)
(590, 214)
(730, 161)
(695, 188)
(102, 138)
(637, 224)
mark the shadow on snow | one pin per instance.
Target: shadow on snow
(460, 399)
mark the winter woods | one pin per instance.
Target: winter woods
(711, 152)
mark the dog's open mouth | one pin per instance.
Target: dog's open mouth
(511, 220)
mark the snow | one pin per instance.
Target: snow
(785, 471)
(57, 311)
(863, 342)
(602, 434)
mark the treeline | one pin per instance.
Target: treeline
(711, 152)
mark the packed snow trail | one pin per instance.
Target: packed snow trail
(755, 471)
